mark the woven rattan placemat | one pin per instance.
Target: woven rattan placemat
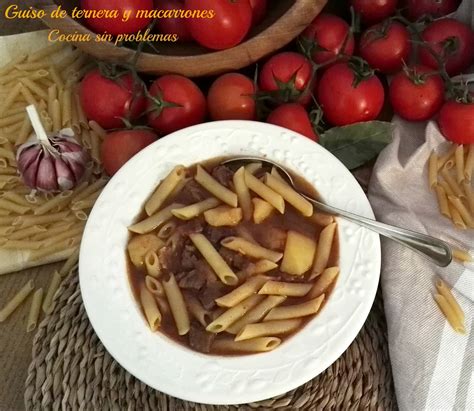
(71, 370)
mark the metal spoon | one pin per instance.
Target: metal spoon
(432, 248)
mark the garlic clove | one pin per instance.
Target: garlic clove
(46, 176)
(30, 170)
(77, 167)
(27, 156)
(65, 176)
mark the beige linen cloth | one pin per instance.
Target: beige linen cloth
(433, 367)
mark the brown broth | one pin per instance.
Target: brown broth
(292, 219)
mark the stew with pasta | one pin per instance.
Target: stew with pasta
(231, 262)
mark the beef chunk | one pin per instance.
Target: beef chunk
(195, 225)
(234, 259)
(193, 280)
(210, 293)
(206, 271)
(192, 192)
(189, 258)
(199, 338)
(170, 259)
(216, 234)
(223, 174)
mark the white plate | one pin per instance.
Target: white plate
(174, 369)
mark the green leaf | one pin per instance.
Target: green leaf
(356, 144)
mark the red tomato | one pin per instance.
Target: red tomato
(116, 25)
(415, 97)
(107, 101)
(456, 122)
(344, 102)
(294, 117)
(434, 8)
(373, 11)
(259, 8)
(177, 103)
(329, 33)
(226, 29)
(289, 72)
(173, 25)
(386, 49)
(457, 37)
(230, 97)
(120, 146)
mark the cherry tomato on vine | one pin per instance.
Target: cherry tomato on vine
(415, 94)
(347, 99)
(386, 46)
(230, 97)
(289, 73)
(433, 8)
(452, 41)
(116, 25)
(329, 32)
(456, 121)
(259, 8)
(175, 102)
(226, 29)
(120, 146)
(107, 100)
(374, 11)
(294, 117)
(173, 25)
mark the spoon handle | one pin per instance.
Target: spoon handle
(434, 249)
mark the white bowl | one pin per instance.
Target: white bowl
(175, 370)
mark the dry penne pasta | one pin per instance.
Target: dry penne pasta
(289, 195)
(323, 249)
(16, 301)
(452, 183)
(461, 255)
(46, 52)
(268, 328)
(34, 88)
(251, 249)
(261, 344)
(196, 209)
(215, 188)
(22, 245)
(445, 157)
(469, 195)
(459, 163)
(251, 286)
(69, 264)
(433, 170)
(449, 313)
(58, 202)
(324, 281)
(35, 308)
(299, 253)
(463, 211)
(177, 305)
(469, 164)
(214, 259)
(223, 216)
(456, 217)
(150, 308)
(164, 189)
(233, 314)
(265, 192)
(97, 129)
(442, 201)
(88, 190)
(309, 307)
(243, 194)
(443, 290)
(29, 220)
(59, 247)
(54, 284)
(286, 289)
(74, 231)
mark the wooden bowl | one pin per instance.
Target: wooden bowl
(285, 20)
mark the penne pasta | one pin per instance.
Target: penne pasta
(164, 189)
(56, 115)
(252, 168)
(445, 157)
(97, 129)
(154, 286)
(463, 211)
(261, 344)
(215, 188)
(24, 132)
(250, 287)
(52, 288)
(34, 313)
(459, 162)
(468, 190)
(259, 267)
(265, 192)
(233, 314)
(21, 245)
(299, 253)
(324, 281)
(456, 217)
(449, 314)
(70, 263)
(29, 220)
(95, 146)
(309, 307)
(256, 313)
(60, 247)
(150, 308)
(74, 231)
(52, 95)
(16, 301)
(58, 202)
(34, 88)
(433, 170)
(442, 201)
(196, 209)
(261, 210)
(323, 249)
(268, 328)
(250, 249)
(452, 183)
(243, 194)
(289, 195)
(177, 305)
(469, 164)
(10, 97)
(66, 107)
(443, 290)
(214, 259)
(152, 264)
(85, 191)
(46, 52)
(154, 221)
(461, 255)
(286, 289)
(223, 216)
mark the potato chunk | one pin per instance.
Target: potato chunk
(299, 253)
(140, 245)
(261, 210)
(223, 216)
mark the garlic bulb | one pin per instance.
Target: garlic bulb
(51, 162)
